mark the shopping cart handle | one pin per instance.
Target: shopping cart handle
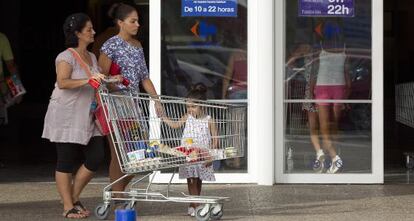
(109, 80)
(95, 84)
(124, 81)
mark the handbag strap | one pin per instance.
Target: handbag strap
(81, 62)
(86, 69)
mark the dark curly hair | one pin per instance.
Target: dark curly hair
(74, 23)
(198, 91)
(120, 11)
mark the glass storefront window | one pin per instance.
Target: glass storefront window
(208, 50)
(327, 88)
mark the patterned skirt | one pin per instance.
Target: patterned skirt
(197, 170)
(310, 107)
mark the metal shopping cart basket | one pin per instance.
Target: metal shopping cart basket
(144, 142)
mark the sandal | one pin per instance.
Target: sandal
(79, 206)
(73, 211)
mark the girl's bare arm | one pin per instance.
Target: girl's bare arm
(175, 123)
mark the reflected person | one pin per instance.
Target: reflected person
(305, 52)
(332, 83)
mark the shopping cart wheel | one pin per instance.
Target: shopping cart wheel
(216, 212)
(202, 212)
(102, 211)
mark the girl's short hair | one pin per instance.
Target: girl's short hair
(198, 91)
(120, 11)
(74, 23)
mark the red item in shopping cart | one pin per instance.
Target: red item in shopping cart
(182, 150)
(94, 83)
(192, 153)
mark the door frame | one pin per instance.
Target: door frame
(377, 175)
(260, 113)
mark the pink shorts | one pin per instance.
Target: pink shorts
(329, 92)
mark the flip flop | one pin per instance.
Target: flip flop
(73, 211)
(79, 206)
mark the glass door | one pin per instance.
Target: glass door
(202, 42)
(332, 113)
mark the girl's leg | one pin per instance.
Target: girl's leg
(319, 162)
(324, 124)
(192, 184)
(337, 111)
(115, 171)
(199, 185)
(313, 129)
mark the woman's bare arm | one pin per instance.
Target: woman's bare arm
(104, 63)
(64, 73)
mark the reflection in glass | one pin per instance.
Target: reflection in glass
(352, 140)
(328, 61)
(335, 50)
(208, 50)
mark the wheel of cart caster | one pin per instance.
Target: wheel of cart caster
(102, 211)
(216, 212)
(202, 212)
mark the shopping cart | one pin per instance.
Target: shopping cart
(145, 143)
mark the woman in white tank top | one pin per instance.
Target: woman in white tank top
(332, 83)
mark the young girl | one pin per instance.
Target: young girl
(304, 51)
(333, 82)
(200, 128)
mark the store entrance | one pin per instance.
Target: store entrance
(398, 57)
(36, 38)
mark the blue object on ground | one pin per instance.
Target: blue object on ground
(125, 215)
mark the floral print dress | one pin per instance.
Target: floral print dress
(130, 59)
(198, 130)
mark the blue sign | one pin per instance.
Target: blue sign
(326, 8)
(209, 8)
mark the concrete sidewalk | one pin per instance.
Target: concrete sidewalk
(39, 201)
